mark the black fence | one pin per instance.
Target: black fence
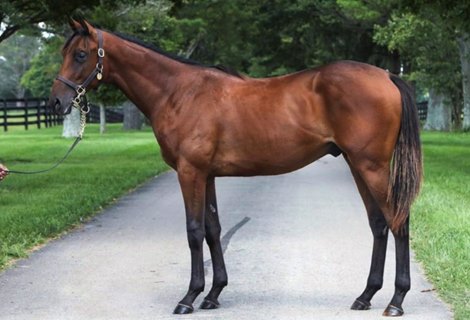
(114, 115)
(26, 113)
(34, 112)
(422, 110)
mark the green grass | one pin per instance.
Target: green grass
(35, 208)
(441, 218)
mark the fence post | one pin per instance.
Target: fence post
(26, 114)
(38, 112)
(44, 113)
(5, 118)
(48, 115)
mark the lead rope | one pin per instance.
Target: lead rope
(83, 112)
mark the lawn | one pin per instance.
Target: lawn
(441, 218)
(35, 208)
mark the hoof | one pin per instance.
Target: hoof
(360, 305)
(207, 304)
(183, 309)
(393, 311)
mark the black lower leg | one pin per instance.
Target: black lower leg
(375, 279)
(213, 231)
(196, 285)
(402, 277)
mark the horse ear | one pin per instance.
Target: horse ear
(74, 24)
(80, 25)
(85, 26)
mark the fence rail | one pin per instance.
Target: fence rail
(113, 115)
(34, 112)
(26, 113)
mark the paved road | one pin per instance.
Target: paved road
(303, 254)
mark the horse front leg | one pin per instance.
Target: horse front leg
(213, 231)
(193, 187)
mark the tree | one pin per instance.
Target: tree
(15, 56)
(264, 38)
(44, 67)
(427, 46)
(455, 15)
(44, 15)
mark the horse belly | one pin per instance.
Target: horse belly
(272, 129)
(268, 157)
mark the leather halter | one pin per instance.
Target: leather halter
(97, 72)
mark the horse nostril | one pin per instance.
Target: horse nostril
(57, 106)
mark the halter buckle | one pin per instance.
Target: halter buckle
(76, 101)
(101, 52)
(80, 91)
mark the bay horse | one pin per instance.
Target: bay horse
(212, 122)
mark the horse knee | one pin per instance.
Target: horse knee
(213, 235)
(196, 234)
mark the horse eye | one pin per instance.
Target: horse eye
(81, 56)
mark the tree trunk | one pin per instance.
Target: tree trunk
(133, 118)
(439, 113)
(464, 50)
(71, 124)
(102, 119)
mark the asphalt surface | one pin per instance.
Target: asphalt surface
(298, 246)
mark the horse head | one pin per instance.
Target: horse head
(81, 70)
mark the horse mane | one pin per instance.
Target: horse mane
(175, 57)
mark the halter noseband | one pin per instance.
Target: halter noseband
(80, 89)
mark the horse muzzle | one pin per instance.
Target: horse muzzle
(58, 107)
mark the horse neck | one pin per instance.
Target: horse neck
(146, 77)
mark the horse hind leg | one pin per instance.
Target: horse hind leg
(402, 278)
(379, 230)
(375, 177)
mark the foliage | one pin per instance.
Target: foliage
(27, 15)
(38, 207)
(275, 37)
(428, 46)
(15, 56)
(455, 13)
(44, 68)
(440, 219)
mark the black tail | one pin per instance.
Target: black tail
(407, 163)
